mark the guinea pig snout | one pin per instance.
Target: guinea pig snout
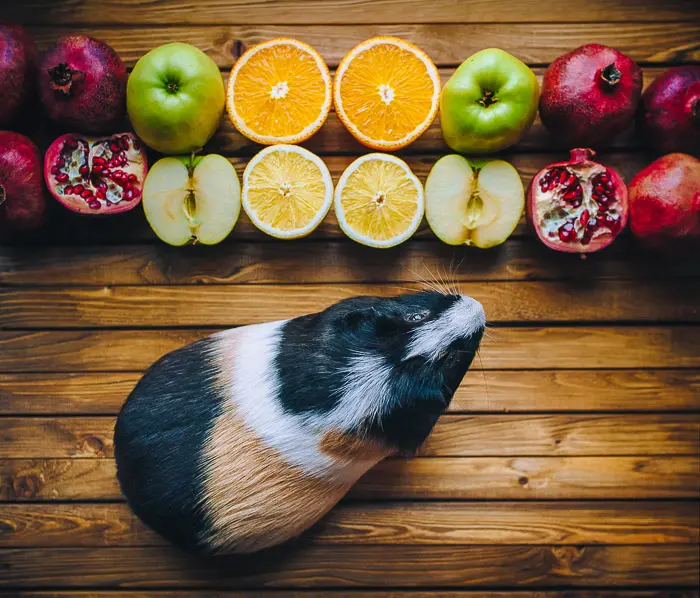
(473, 313)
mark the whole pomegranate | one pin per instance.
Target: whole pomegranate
(96, 176)
(22, 200)
(665, 204)
(669, 115)
(18, 57)
(590, 94)
(82, 84)
(578, 206)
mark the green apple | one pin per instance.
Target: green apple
(478, 203)
(489, 103)
(175, 98)
(192, 200)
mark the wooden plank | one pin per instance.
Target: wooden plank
(291, 12)
(453, 436)
(447, 44)
(353, 566)
(616, 523)
(324, 262)
(494, 391)
(462, 478)
(216, 305)
(538, 348)
(67, 228)
(363, 594)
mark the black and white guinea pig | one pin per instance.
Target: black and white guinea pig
(245, 439)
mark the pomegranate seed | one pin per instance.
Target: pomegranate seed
(97, 169)
(87, 194)
(84, 170)
(68, 190)
(584, 218)
(604, 177)
(124, 142)
(60, 162)
(132, 177)
(62, 177)
(563, 176)
(98, 161)
(114, 146)
(570, 180)
(567, 232)
(94, 205)
(136, 143)
(78, 189)
(100, 193)
(609, 185)
(128, 195)
(70, 144)
(599, 188)
(571, 195)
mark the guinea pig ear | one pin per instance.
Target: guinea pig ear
(357, 318)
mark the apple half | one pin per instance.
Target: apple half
(475, 203)
(192, 200)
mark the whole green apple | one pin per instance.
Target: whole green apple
(489, 103)
(175, 98)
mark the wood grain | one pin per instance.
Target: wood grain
(363, 594)
(447, 44)
(472, 478)
(507, 348)
(453, 436)
(207, 306)
(327, 262)
(676, 593)
(352, 566)
(391, 524)
(291, 12)
(495, 391)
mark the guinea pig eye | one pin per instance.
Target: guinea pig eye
(418, 316)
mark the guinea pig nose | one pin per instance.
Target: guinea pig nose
(474, 311)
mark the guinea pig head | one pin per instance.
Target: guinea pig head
(387, 368)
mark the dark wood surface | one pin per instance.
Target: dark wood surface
(568, 465)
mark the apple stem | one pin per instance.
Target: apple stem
(3, 195)
(610, 75)
(62, 77)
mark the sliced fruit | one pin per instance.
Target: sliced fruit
(379, 201)
(476, 204)
(386, 92)
(287, 191)
(279, 92)
(189, 201)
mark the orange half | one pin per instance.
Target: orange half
(386, 92)
(279, 91)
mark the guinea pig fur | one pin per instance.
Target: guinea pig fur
(245, 439)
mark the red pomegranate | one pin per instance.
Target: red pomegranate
(82, 84)
(18, 57)
(669, 115)
(22, 200)
(96, 176)
(665, 204)
(578, 206)
(590, 94)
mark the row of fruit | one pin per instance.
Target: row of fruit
(386, 92)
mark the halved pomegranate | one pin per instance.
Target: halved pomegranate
(578, 206)
(96, 175)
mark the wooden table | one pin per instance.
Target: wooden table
(569, 459)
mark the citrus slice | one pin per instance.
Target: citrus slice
(287, 191)
(379, 201)
(279, 92)
(386, 92)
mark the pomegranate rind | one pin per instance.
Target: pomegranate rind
(580, 158)
(79, 205)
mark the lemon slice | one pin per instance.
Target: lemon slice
(287, 191)
(279, 92)
(379, 201)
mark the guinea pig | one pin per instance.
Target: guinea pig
(243, 440)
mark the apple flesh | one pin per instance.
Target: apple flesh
(192, 201)
(477, 204)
